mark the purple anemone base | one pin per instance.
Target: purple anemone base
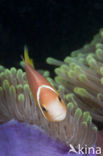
(22, 139)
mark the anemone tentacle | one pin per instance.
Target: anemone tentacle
(81, 74)
(16, 102)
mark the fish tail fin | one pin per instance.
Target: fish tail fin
(27, 59)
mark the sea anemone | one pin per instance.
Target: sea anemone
(81, 75)
(16, 102)
(22, 139)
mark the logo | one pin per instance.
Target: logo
(72, 149)
(85, 149)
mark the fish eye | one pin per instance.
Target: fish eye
(44, 109)
(59, 98)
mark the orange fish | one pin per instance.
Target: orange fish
(45, 95)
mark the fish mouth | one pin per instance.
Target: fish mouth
(60, 117)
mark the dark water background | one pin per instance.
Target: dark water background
(48, 27)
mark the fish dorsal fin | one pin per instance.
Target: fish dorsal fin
(27, 58)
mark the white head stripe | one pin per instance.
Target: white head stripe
(38, 95)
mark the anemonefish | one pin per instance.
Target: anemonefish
(45, 95)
